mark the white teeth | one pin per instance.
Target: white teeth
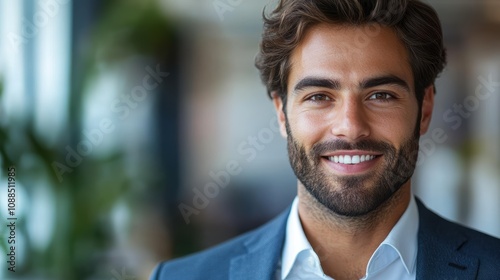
(347, 159)
(355, 159)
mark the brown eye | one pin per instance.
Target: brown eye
(381, 96)
(319, 97)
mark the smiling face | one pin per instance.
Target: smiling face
(352, 120)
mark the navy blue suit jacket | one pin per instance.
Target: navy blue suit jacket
(445, 251)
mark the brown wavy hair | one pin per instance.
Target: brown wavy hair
(416, 24)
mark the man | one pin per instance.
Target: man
(352, 82)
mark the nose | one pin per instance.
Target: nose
(350, 122)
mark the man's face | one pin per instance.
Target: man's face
(352, 120)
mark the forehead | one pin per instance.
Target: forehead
(349, 54)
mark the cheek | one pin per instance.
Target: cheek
(394, 128)
(308, 128)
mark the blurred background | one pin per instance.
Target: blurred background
(139, 131)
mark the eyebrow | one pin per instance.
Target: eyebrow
(384, 80)
(365, 84)
(316, 82)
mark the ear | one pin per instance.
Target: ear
(427, 107)
(278, 106)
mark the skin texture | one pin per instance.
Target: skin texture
(336, 105)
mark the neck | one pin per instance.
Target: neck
(345, 244)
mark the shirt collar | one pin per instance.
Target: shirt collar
(295, 239)
(402, 239)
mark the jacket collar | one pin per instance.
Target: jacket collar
(439, 244)
(263, 251)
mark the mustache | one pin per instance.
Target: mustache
(365, 145)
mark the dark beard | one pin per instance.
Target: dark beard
(354, 196)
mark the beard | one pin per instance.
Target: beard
(354, 195)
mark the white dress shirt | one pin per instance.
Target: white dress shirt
(395, 257)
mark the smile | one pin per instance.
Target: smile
(348, 159)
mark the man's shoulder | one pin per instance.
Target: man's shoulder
(215, 262)
(443, 243)
(472, 239)
(477, 243)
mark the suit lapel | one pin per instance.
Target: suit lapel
(439, 244)
(263, 251)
